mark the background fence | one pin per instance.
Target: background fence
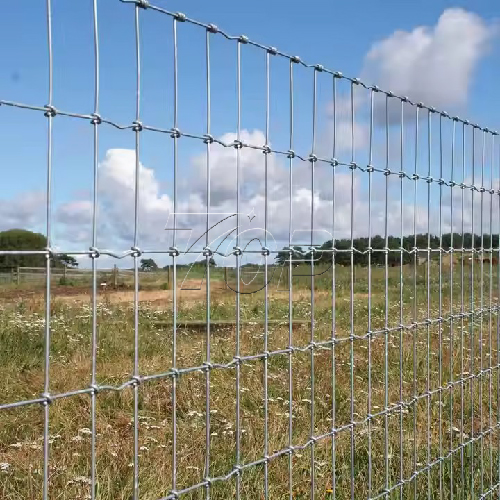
(372, 375)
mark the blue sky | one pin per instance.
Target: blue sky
(357, 38)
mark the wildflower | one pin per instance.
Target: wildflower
(4, 466)
(85, 430)
(80, 479)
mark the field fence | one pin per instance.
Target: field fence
(392, 390)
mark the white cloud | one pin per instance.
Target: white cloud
(25, 210)
(75, 212)
(117, 197)
(116, 203)
(432, 64)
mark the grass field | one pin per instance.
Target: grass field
(390, 366)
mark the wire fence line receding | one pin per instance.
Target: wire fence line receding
(374, 370)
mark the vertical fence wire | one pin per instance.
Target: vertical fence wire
(334, 325)
(312, 338)
(49, 114)
(428, 292)
(369, 326)
(175, 254)
(208, 254)
(451, 333)
(415, 303)
(351, 339)
(462, 311)
(136, 253)
(440, 312)
(96, 122)
(386, 302)
(401, 307)
(481, 304)
(472, 317)
(290, 288)
(238, 279)
(266, 292)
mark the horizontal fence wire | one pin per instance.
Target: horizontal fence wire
(429, 423)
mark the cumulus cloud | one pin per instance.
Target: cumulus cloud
(434, 64)
(117, 194)
(117, 204)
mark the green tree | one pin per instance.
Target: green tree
(283, 256)
(148, 265)
(22, 240)
(66, 260)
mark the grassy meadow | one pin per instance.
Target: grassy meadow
(458, 422)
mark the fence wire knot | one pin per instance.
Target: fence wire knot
(47, 399)
(51, 111)
(175, 133)
(173, 252)
(135, 251)
(96, 119)
(94, 253)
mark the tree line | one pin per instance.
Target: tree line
(23, 240)
(422, 241)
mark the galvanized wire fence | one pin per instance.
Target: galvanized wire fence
(390, 387)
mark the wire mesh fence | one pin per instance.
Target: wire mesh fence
(371, 369)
